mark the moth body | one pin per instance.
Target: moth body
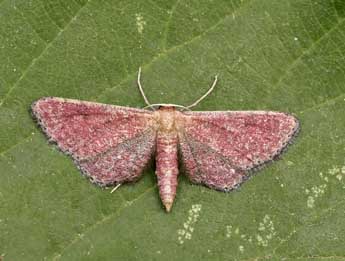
(166, 155)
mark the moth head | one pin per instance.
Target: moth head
(166, 117)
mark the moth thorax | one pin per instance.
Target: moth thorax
(166, 119)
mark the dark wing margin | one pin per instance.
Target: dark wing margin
(110, 144)
(221, 149)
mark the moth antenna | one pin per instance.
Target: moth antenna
(206, 94)
(115, 188)
(141, 89)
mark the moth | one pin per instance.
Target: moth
(112, 145)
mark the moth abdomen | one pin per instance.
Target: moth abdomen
(167, 166)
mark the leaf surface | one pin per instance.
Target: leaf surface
(269, 55)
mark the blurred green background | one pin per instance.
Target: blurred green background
(269, 55)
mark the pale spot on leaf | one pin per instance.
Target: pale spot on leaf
(317, 191)
(310, 202)
(140, 23)
(186, 232)
(228, 231)
(266, 231)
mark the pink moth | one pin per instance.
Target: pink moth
(112, 144)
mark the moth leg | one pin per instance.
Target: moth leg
(115, 188)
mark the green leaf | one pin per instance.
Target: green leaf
(269, 55)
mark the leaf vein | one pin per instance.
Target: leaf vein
(51, 18)
(176, 47)
(316, 18)
(34, 60)
(322, 104)
(31, 26)
(307, 51)
(167, 25)
(335, 10)
(104, 219)
(24, 140)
